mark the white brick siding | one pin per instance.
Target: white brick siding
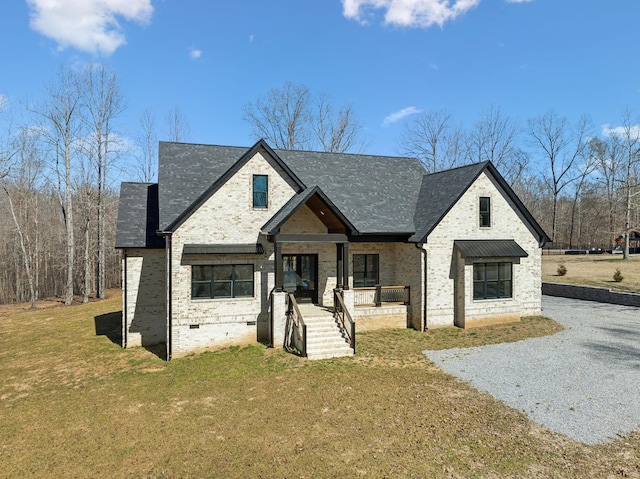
(462, 222)
(144, 296)
(227, 217)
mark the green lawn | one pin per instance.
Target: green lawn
(74, 404)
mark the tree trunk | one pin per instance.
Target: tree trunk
(25, 255)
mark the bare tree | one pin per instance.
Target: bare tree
(561, 147)
(605, 155)
(177, 126)
(291, 118)
(583, 171)
(282, 117)
(62, 117)
(102, 97)
(627, 138)
(147, 141)
(494, 137)
(336, 132)
(21, 193)
(434, 140)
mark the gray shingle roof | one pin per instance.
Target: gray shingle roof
(185, 171)
(375, 194)
(438, 193)
(138, 216)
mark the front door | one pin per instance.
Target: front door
(300, 276)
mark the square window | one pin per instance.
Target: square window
(492, 280)
(260, 191)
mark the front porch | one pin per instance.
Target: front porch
(382, 307)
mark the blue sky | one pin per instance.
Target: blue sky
(384, 57)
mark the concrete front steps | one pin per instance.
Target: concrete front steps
(324, 337)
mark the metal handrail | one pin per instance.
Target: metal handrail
(343, 315)
(376, 295)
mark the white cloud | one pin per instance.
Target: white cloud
(409, 13)
(519, 1)
(632, 131)
(400, 114)
(87, 25)
(195, 53)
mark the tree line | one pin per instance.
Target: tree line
(58, 165)
(583, 186)
(60, 168)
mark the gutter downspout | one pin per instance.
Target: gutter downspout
(168, 286)
(125, 322)
(169, 301)
(420, 246)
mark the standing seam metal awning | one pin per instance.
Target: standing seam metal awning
(489, 249)
(207, 249)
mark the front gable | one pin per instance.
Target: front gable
(225, 213)
(462, 220)
(257, 157)
(308, 207)
(461, 189)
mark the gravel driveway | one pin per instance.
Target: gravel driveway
(583, 382)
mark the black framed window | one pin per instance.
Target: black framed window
(222, 281)
(260, 191)
(485, 212)
(365, 270)
(492, 280)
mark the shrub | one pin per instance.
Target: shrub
(617, 276)
(562, 269)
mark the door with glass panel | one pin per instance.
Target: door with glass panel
(300, 276)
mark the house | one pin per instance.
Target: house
(302, 249)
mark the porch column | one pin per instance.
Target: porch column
(279, 280)
(339, 264)
(345, 265)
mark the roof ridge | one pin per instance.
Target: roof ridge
(449, 170)
(187, 143)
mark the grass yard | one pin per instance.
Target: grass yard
(74, 404)
(594, 270)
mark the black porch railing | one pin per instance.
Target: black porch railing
(379, 295)
(296, 337)
(345, 321)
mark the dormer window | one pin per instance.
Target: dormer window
(485, 212)
(260, 191)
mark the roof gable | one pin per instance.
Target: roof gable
(441, 191)
(187, 191)
(315, 198)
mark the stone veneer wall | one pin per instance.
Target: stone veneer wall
(144, 296)
(462, 222)
(590, 293)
